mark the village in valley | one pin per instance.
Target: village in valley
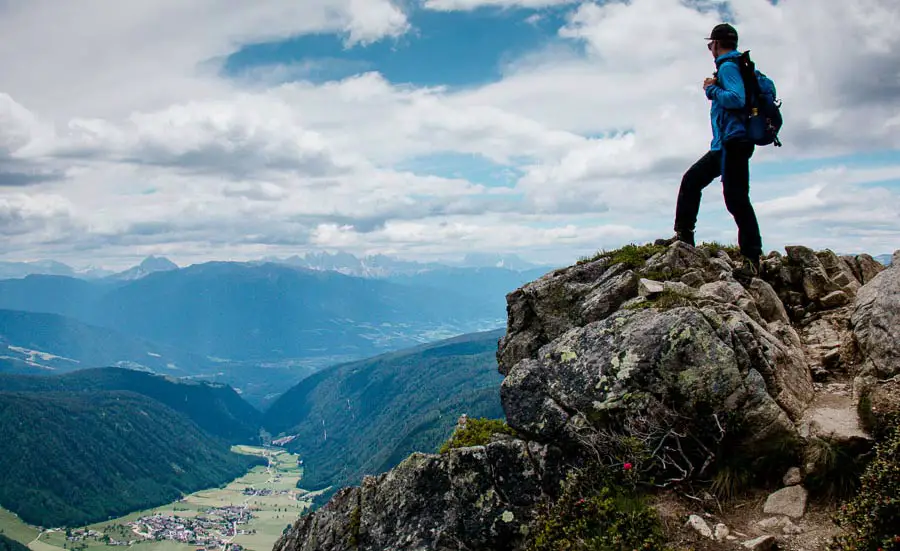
(248, 514)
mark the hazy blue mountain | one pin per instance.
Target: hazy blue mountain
(497, 260)
(487, 286)
(69, 459)
(382, 266)
(215, 408)
(243, 311)
(150, 265)
(52, 343)
(373, 266)
(10, 270)
(884, 259)
(365, 417)
(15, 270)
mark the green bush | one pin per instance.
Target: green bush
(734, 252)
(871, 520)
(598, 510)
(631, 255)
(477, 432)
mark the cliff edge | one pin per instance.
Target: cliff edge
(654, 361)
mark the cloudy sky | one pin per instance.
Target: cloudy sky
(230, 129)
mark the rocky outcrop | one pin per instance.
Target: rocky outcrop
(470, 498)
(876, 323)
(635, 347)
(694, 360)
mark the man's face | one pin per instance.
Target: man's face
(713, 48)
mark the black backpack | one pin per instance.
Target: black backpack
(762, 108)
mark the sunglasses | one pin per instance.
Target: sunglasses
(710, 45)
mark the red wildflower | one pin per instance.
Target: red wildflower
(627, 466)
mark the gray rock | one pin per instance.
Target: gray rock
(698, 524)
(722, 532)
(869, 267)
(762, 543)
(470, 498)
(693, 279)
(790, 528)
(839, 272)
(875, 322)
(732, 292)
(792, 477)
(678, 258)
(771, 523)
(816, 283)
(790, 501)
(546, 308)
(767, 302)
(839, 425)
(648, 288)
(686, 357)
(835, 299)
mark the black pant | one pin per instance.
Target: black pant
(735, 171)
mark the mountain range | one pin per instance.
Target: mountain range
(374, 266)
(240, 311)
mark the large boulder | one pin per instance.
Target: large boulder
(480, 497)
(548, 307)
(876, 323)
(713, 360)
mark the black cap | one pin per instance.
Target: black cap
(723, 31)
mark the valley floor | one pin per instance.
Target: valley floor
(208, 519)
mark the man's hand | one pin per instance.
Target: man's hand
(709, 82)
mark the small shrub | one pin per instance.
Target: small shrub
(837, 469)
(670, 275)
(631, 255)
(666, 300)
(598, 511)
(477, 432)
(871, 519)
(714, 247)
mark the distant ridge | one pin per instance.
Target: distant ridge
(215, 408)
(365, 417)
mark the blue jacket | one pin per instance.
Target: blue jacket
(727, 93)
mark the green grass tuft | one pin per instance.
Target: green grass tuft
(598, 509)
(631, 255)
(714, 247)
(477, 432)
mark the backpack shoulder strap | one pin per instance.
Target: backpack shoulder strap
(747, 70)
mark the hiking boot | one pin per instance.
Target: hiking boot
(747, 271)
(684, 237)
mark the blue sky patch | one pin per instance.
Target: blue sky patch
(473, 168)
(455, 49)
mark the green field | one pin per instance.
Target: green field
(271, 514)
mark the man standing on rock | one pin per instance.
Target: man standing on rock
(728, 157)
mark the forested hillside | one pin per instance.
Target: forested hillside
(7, 544)
(365, 417)
(217, 409)
(72, 459)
